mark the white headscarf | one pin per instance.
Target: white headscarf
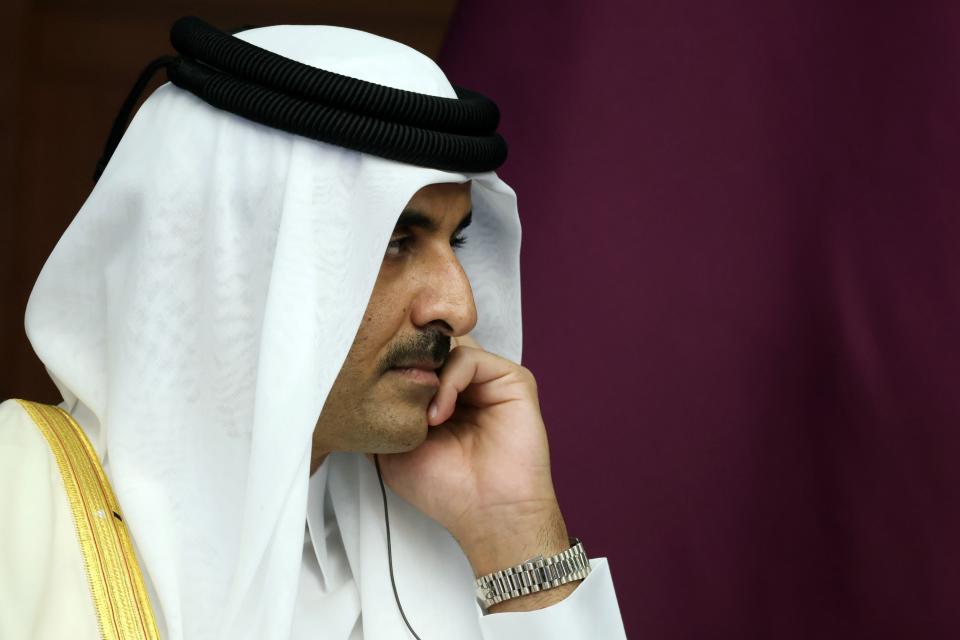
(200, 306)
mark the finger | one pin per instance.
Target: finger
(467, 340)
(464, 367)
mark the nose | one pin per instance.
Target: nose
(445, 297)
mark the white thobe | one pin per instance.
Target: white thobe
(328, 602)
(45, 593)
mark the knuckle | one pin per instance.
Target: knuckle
(528, 377)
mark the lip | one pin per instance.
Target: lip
(418, 374)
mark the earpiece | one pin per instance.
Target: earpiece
(386, 519)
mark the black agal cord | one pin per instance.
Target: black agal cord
(451, 134)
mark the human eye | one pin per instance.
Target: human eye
(397, 246)
(458, 241)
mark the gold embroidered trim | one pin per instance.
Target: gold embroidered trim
(119, 595)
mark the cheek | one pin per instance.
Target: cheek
(378, 329)
(385, 314)
(385, 311)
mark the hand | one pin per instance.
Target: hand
(484, 470)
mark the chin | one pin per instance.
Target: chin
(409, 439)
(399, 433)
(404, 447)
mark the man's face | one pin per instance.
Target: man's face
(422, 297)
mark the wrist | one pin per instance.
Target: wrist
(518, 540)
(509, 538)
(532, 577)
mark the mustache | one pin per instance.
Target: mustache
(431, 345)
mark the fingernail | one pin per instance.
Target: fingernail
(433, 410)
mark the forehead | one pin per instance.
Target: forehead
(442, 199)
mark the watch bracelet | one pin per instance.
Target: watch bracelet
(536, 574)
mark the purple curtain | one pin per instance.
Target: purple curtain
(741, 273)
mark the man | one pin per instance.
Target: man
(237, 332)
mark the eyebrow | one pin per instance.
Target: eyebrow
(413, 218)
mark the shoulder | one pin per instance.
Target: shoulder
(30, 492)
(42, 567)
(29, 475)
(24, 453)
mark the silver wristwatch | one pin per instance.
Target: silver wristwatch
(536, 574)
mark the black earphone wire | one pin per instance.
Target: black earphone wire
(386, 519)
